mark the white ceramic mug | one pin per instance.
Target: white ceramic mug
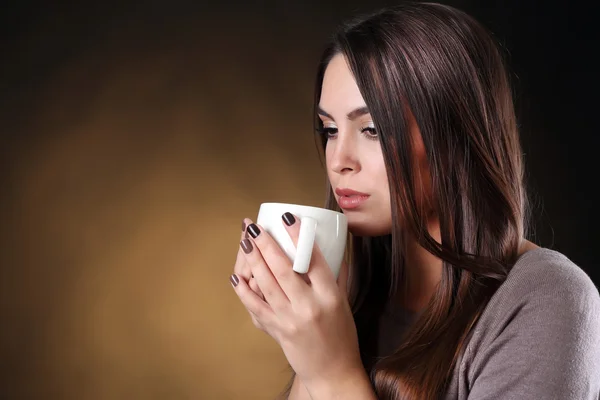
(325, 227)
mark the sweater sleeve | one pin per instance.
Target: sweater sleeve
(544, 336)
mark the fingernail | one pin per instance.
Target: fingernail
(288, 218)
(246, 246)
(234, 280)
(243, 225)
(253, 230)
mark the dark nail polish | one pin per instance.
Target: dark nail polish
(246, 246)
(253, 230)
(234, 280)
(243, 225)
(288, 218)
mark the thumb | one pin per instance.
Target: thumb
(342, 279)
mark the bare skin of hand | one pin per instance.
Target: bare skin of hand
(309, 317)
(242, 270)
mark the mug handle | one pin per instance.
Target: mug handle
(306, 240)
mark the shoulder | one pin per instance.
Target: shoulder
(546, 287)
(547, 281)
(544, 322)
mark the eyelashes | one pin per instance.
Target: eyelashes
(368, 132)
(327, 132)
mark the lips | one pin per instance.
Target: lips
(349, 192)
(350, 199)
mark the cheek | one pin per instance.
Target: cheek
(330, 173)
(378, 172)
(382, 178)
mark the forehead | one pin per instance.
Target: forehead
(339, 93)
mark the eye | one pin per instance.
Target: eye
(328, 132)
(370, 132)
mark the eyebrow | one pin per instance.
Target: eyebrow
(352, 115)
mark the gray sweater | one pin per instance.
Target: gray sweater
(538, 338)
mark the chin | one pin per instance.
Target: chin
(368, 226)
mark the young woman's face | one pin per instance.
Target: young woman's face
(353, 154)
(355, 164)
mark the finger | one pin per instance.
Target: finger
(244, 225)
(241, 267)
(278, 264)
(272, 291)
(244, 269)
(260, 310)
(319, 272)
(256, 323)
(254, 286)
(293, 229)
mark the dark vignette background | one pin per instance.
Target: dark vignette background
(134, 137)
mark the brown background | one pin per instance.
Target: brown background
(135, 138)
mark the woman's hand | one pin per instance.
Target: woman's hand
(309, 318)
(242, 270)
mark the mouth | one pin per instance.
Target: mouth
(349, 199)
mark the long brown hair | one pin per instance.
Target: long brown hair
(443, 66)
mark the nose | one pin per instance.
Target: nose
(342, 156)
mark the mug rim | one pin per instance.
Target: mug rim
(301, 205)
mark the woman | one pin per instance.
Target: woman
(446, 297)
